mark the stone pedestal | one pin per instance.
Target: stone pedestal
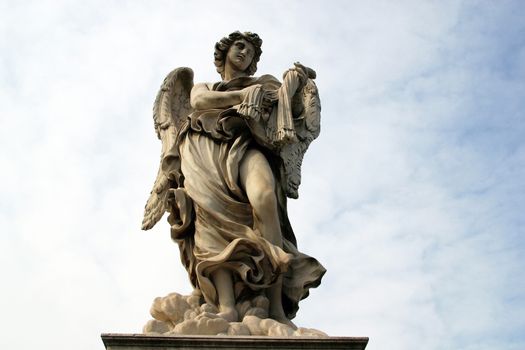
(148, 342)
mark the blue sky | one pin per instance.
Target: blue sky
(412, 197)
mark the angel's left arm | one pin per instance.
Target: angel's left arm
(203, 98)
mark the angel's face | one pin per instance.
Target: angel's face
(240, 55)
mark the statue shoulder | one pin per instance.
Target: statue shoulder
(203, 86)
(269, 81)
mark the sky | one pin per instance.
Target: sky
(412, 197)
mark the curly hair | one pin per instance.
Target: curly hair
(223, 45)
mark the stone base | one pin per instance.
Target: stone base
(186, 342)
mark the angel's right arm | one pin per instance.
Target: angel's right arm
(203, 98)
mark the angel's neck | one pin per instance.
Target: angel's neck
(230, 74)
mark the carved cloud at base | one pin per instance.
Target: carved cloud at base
(188, 315)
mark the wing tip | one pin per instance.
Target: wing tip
(146, 225)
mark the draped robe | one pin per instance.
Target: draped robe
(211, 217)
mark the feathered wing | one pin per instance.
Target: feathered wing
(307, 127)
(170, 110)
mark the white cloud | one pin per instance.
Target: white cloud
(411, 197)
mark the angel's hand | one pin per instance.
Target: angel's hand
(301, 73)
(310, 73)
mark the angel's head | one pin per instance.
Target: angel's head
(247, 41)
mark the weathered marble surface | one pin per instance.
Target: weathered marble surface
(177, 314)
(231, 155)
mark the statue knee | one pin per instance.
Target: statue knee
(264, 200)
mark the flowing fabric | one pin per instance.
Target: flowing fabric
(222, 232)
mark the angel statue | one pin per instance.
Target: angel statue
(231, 155)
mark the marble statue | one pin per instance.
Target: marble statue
(231, 155)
